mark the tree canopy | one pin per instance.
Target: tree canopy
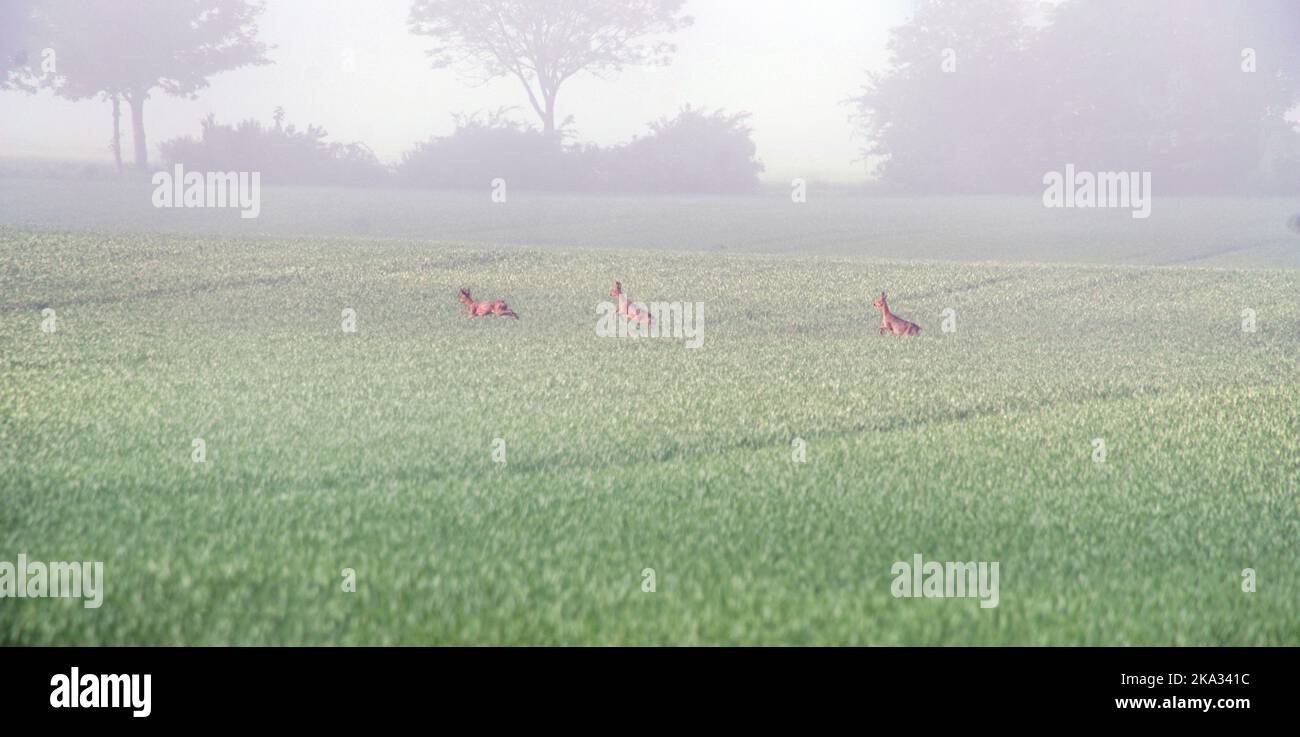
(17, 43)
(129, 48)
(978, 96)
(543, 43)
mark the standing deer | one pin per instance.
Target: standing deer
(486, 306)
(627, 309)
(893, 323)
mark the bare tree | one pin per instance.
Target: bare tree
(542, 43)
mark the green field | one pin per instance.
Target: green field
(374, 450)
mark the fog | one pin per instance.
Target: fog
(353, 68)
(934, 96)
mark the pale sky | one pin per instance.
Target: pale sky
(352, 67)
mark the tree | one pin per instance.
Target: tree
(940, 117)
(976, 98)
(542, 43)
(126, 49)
(17, 39)
(1186, 110)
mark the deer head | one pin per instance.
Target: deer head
(880, 302)
(464, 297)
(617, 290)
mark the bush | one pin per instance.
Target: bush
(283, 154)
(483, 148)
(694, 152)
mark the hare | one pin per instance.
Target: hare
(486, 306)
(627, 309)
(893, 323)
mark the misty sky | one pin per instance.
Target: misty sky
(352, 67)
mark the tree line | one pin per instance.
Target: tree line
(977, 96)
(981, 96)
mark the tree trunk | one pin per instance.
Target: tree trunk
(137, 130)
(116, 143)
(548, 117)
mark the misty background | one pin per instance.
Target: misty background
(930, 96)
(355, 69)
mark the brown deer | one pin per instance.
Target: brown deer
(485, 306)
(627, 309)
(893, 323)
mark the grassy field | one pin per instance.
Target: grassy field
(374, 450)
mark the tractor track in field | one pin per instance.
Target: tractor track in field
(678, 450)
(152, 293)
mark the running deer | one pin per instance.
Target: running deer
(627, 309)
(485, 306)
(893, 323)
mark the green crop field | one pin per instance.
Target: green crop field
(502, 481)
